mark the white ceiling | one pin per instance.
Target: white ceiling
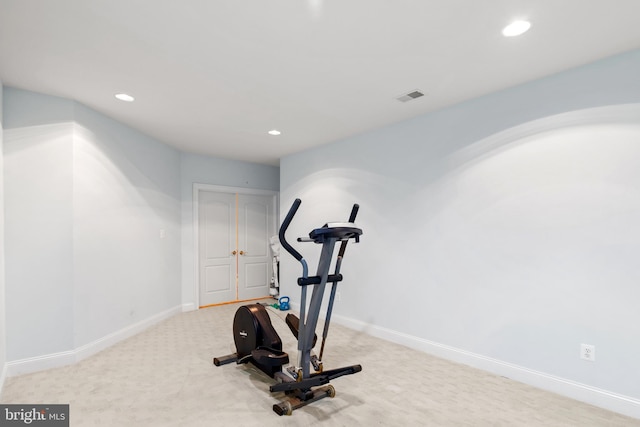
(213, 76)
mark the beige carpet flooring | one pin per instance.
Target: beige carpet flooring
(165, 377)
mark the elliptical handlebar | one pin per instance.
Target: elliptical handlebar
(352, 218)
(354, 212)
(283, 229)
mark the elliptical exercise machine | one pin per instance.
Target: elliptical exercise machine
(257, 341)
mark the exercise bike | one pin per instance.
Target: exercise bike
(258, 343)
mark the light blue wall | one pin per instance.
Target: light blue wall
(502, 230)
(38, 174)
(95, 216)
(3, 328)
(231, 173)
(126, 226)
(86, 198)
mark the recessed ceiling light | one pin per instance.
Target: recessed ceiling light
(516, 28)
(274, 132)
(125, 97)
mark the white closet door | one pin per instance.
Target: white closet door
(256, 225)
(235, 261)
(217, 243)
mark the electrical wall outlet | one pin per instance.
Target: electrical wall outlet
(588, 352)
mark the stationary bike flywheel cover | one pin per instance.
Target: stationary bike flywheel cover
(245, 331)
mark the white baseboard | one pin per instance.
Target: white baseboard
(188, 307)
(40, 363)
(602, 398)
(57, 360)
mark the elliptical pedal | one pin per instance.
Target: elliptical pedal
(270, 356)
(293, 322)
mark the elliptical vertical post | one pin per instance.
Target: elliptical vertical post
(317, 295)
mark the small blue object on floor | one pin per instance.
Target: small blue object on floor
(284, 303)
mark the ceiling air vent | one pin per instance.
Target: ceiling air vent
(409, 96)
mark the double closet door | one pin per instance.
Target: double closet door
(234, 231)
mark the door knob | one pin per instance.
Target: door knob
(234, 252)
(242, 252)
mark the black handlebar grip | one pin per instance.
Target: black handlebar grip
(354, 212)
(352, 218)
(285, 225)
